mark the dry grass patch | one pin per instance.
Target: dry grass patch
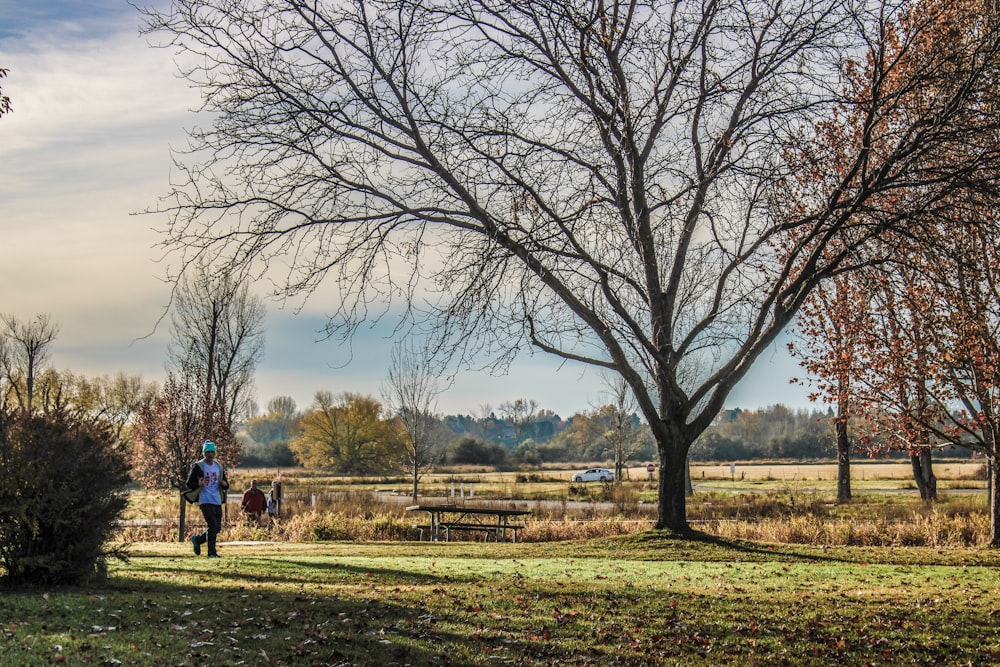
(318, 506)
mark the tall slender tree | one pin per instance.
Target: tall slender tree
(25, 346)
(625, 432)
(519, 414)
(894, 385)
(831, 323)
(410, 393)
(217, 338)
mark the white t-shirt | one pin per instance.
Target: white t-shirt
(210, 494)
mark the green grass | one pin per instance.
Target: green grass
(648, 598)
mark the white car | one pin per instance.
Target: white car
(594, 475)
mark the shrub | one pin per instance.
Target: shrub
(62, 489)
(326, 525)
(272, 455)
(472, 451)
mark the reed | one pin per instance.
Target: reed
(937, 529)
(317, 514)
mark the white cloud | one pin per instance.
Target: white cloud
(86, 147)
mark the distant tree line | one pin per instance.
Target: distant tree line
(778, 432)
(279, 437)
(284, 436)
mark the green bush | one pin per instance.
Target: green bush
(62, 488)
(470, 451)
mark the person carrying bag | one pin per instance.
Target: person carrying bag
(208, 479)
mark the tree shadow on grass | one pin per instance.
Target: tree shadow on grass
(693, 545)
(215, 622)
(697, 545)
(285, 571)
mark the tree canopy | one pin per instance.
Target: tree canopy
(347, 434)
(605, 181)
(912, 347)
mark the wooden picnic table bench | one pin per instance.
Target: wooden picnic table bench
(446, 519)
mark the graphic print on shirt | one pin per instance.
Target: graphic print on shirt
(210, 492)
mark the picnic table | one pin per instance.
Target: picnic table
(447, 519)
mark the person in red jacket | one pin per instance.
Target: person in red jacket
(254, 502)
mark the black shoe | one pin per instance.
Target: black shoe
(214, 556)
(196, 545)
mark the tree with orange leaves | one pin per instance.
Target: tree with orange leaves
(928, 383)
(168, 435)
(831, 325)
(964, 394)
(929, 303)
(893, 385)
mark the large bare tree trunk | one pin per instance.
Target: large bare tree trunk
(672, 483)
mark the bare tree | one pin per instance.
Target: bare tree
(5, 105)
(624, 436)
(24, 349)
(112, 400)
(119, 399)
(410, 394)
(596, 179)
(520, 414)
(218, 338)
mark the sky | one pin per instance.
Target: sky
(87, 148)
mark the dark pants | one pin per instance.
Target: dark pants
(213, 517)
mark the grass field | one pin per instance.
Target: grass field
(779, 575)
(553, 483)
(645, 599)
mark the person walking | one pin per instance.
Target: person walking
(254, 502)
(209, 476)
(272, 505)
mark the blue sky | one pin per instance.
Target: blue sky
(96, 112)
